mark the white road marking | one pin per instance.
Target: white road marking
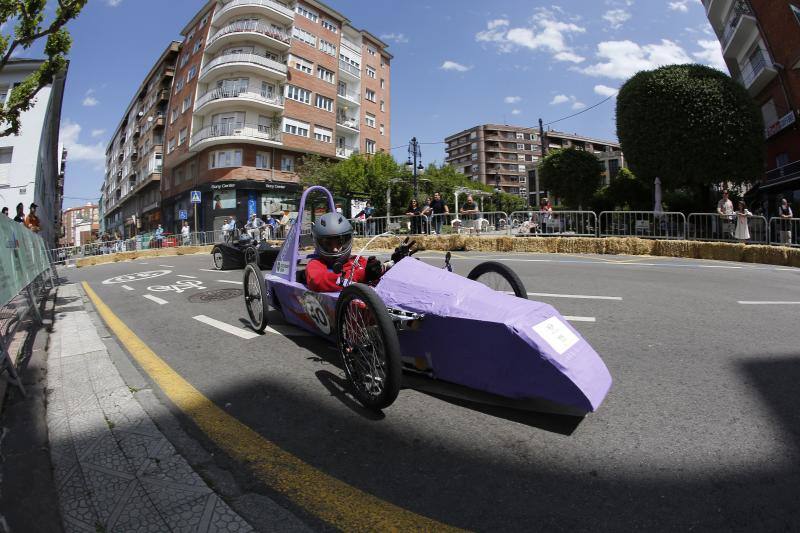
(127, 288)
(210, 270)
(288, 331)
(155, 299)
(166, 266)
(576, 296)
(143, 263)
(580, 318)
(233, 330)
(719, 266)
(786, 269)
(229, 281)
(185, 276)
(767, 303)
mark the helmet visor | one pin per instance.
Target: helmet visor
(335, 244)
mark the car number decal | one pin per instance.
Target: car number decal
(282, 267)
(556, 334)
(316, 312)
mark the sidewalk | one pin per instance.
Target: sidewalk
(114, 470)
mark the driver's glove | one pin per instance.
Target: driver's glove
(374, 270)
(406, 249)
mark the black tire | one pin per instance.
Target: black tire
(487, 273)
(218, 258)
(250, 255)
(383, 344)
(255, 297)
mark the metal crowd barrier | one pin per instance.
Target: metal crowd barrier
(408, 224)
(368, 227)
(643, 224)
(784, 231)
(722, 228)
(556, 223)
(481, 223)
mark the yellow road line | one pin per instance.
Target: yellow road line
(324, 496)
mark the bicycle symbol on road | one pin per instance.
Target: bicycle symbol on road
(178, 286)
(128, 278)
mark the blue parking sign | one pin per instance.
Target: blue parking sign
(183, 215)
(195, 197)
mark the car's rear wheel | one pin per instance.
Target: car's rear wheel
(255, 297)
(219, 259)
(251, 255)
(499, 277)
(369, 346)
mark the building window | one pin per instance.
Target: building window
(323, 134)
(174, 116)
(520, 157)
(203, 22)
(781, 160)
(330, 26)
(613, 167)
(383, 83)
(197, 46)
(6, 155)
(263, 160)
(350, 61)
(370, 146)
(371, 51)
(474, 157)
(383, 106)
(520, 146)
(328, 48)
(298, 93)
(187, 103)
(796, 11)
(302, 65)
(287, 163)
(324, 103)
(307, 13)
(182, 136)
(369, 120)
(325, 74)
(306, 37)
(383, 130)
(370, 72)
(370, 95)
(520, 135)
(295, 127)
(225, 158)
(178, 86)
(184, 60)
(521, 168)
(171, 145)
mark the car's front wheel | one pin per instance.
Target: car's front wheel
(369, 346)
(499, 277)
(255, 297)
(219, 259)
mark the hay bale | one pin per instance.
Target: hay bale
(674, 249)
(720, 251)
(793, 257)
(768, 255)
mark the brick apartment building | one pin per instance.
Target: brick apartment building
(508, 155)
(80, 225)
(130, 194)
(761, 45)
(259, 84)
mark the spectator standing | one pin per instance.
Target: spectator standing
(185, 234)
(159, 236)
(415, 212)
(725, 211)
(20, 213)
(742, 232)
(32, 221)
(785, 213)
(545, 215)
(469, 214)
(366, 215)
(254, 226)
(5, 212)
(439, 211)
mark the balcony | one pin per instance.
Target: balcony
(163, 95)
(784, 173)
(779, 125)
(221, 97)
(347, 124)
(345, 152)
(235, 133)
(757, 73)
(716, 9)
(269, 8)
(738, 30)
(232, 63)
(350, 45)
(248, 28)
(350, 70)
(348, 97)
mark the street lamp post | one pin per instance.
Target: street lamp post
(389, 200)
(414, 162)
(497, 191)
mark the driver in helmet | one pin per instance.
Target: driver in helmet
(331, 269)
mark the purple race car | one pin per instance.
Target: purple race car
(479, 332)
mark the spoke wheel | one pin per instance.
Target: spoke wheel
(219, 261)
(255, 297)
(499, 277)
(250, 255)
(369, 347)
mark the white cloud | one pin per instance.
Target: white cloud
(578, 105)
(398, 38)
(559, 99)
(515, 111)
(615, 17)
(98, 133)
(70, 138)
(113, 3)
(605, 90)
(89, 100)
(545, 33)
(452, 65)
(711, 54)
(679, 5)
(512, 99)
(623, 59)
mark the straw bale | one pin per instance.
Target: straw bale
(666, 248)
(793, 257)
(768, 255)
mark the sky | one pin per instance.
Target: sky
(457, 64)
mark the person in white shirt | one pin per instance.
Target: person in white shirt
(254, 226)
(185, 233)
(726, 218)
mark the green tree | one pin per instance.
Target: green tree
(691, 126)
(627, 191)
(571, 175)
(28, 17)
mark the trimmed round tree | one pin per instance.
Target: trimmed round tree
(571, 175)
(690, 125)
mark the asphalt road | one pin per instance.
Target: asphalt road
(701, 429)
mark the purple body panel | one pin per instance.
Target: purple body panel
(474, 336)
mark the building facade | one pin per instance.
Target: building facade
(80, 225)
(30, 162)
(507, 156)
(760, 42)
(260, 84)
(131, 195)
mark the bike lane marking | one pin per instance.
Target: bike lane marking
(330, 499)
(228, 281)
(580, 319)
(576, 296)
(741, 302)
(155, 299)
(185, 276)
(127, 287)
(227, 328)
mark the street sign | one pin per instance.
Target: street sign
(183, 215)
(195, 197)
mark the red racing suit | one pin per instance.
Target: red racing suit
(321, 278)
